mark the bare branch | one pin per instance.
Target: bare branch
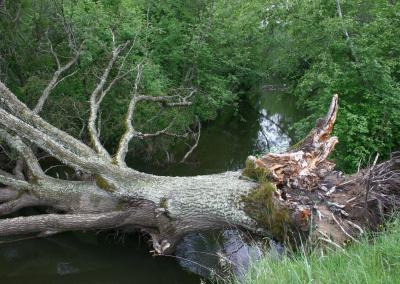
(195, 144)
(346, 33)
(24, 150)
(171, 101)
(24, 201)
(60, 223)
(39, 106)
(163, 132)
(9, 179)
(42, 139)
(22, 112)
(130, 132)
(55, 80)
(117, 77)
(97, 96)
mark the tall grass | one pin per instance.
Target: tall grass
(373, 260)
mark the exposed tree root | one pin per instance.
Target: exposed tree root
(321, 202)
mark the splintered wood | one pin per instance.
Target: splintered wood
(307, 163)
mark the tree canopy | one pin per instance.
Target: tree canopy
(218, 49)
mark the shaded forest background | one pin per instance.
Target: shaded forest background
(218, 48)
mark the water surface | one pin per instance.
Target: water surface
(258, 125)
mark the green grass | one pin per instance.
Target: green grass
(374, 260)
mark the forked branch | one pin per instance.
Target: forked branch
(25, 152)
(97, 96)
(55, 80)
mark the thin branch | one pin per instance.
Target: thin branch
(43, 98)
(55, 80)
(195, 144)
(24, 151)
(171, 101)
(43, 140)
(97, 96)
(370, 177)
(17, 109)
(9, 179)
(343, 230)
(163, 132)
(346, 33)
(130, 132)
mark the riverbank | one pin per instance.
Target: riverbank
(373, 260)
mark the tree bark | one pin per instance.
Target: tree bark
(278, 195)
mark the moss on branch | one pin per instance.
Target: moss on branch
(104, 184)
(261, 203)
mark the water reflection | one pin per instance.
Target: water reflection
(213, 255)
(87, 258)
(259, 125)
(271, 136)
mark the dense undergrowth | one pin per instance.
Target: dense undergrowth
(376, 259)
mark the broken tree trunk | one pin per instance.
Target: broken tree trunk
(277, 195)
(314, 201)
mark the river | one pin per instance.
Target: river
(260, 124)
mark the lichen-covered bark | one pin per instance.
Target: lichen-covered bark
(278, 195)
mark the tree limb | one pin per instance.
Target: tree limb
(97, 96)
(195, 144)
(61, 223)
(42, 139)
(9, 179)
(25, 200)
(171, 101)
(25, 152)
(18, 109)
(130, 132)
(346, 33)
(55, 80)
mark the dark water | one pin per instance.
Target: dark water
(259, 125)
(87, 258)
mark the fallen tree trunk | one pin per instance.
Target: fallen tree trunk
(284, 196)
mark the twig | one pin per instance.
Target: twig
(195, 144)
(369, 182)
(343, 230)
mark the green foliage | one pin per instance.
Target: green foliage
(371, 261)
(219, 48)
(310, 49)
(205, 45)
